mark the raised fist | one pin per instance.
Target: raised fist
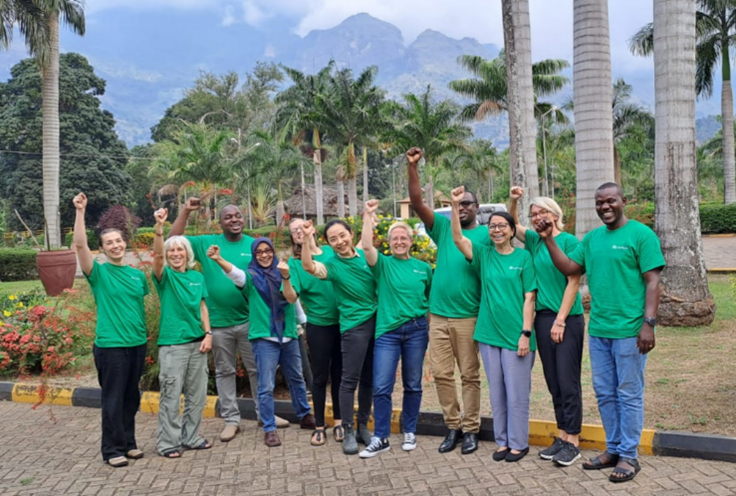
(213, 252)
(193, 203)
(413, 156)
(283, 267)
(80, 201)
(516, 192)
(371, 206)
(458, 194)
(543, 228)
(160, 215)
(308, 229)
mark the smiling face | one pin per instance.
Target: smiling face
(400, 241)
(295, 228)
(176, 257)
(537, 213)
(468, 210)
(340, 239)
(499, 230)
(609, 205)
(231, 220)
(113, 245)
(264, 255)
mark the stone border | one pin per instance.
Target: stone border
(541, 432)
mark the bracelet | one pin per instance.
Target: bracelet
(208, 333)
(158, 233)
(557, 323)
(285, 278)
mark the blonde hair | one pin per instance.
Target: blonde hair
(551, 206)
(180, 242)
(401, 225)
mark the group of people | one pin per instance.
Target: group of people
(367, 311)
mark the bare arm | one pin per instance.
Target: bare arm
(528, 318)
(206, 344)
(158, 243)
(309, 264)
(463, 244)
(413, 156)
(366, 236)
(84, 254)
(514, 196)
(213, 252)
(568, 300)
(180, 224)
(559, 258)
(288, 289)
(646, 341)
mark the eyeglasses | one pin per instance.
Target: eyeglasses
(467, 203)
(539, 213)
(500, 227)
(260, 253)
(296, 230)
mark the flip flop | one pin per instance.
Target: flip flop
(204, 445)
(598, 464)
(318, 437)
(628, 474)
(339, 433)
(171, 453)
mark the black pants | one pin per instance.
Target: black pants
(306, 368)
(119, 374)
(561, 365)
(326, 358)
(357, 366)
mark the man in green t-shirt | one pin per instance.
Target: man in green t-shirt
(623, 261)
(453, 306)
(228, 309)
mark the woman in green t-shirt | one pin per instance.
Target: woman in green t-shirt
(355, 289)
(183, 342)
(558, 324)
(503, 330)
(402, 331)
(323, 330)
(120, 336)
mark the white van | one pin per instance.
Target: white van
(485, 210)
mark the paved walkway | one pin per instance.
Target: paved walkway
(720, 253)
(55, 452)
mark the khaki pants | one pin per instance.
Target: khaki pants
(451, 341)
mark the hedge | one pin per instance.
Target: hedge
(718, 219)
(18, 264)
(92, 240)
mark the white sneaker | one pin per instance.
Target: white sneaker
(376, 447)
(410, 442)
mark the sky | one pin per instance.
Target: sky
(551, 20)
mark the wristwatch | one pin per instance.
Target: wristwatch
(651, 321)
(526, 333)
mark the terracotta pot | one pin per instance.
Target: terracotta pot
(57, 270)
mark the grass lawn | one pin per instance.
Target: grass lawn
(19, 286)
(690, 383)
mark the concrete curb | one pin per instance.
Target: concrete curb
(721, 270)
(541, 432)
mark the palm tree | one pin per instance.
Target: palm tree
(481, 161)
(593, 117)
(716, 33)
(351, 114)
(686, 300)
(300, 115)
(431, 126)
(626, 116)
(38, 23)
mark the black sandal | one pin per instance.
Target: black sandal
(321, 439)
(627, 474)
(598, 464)
(171, 453)
(339, 433)
(204, 445)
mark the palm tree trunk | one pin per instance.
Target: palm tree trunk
(617, 166)
(340, 196)
(318, 192)
(352, 181)
(50, 131)
(593, 117)
(522, 130)
(685, 300)
(279, 205)
(729, 160)
(365, 174)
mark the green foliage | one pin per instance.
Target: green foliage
(718, 219)
(92, 156)
(18, 264)
(92, 240)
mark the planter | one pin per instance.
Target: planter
(57, 270)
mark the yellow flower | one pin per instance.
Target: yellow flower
(20, 304)
(12, 297)
(6, 313)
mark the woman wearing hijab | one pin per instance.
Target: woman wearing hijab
(267, 286)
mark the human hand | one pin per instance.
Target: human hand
(213, 252)
(160, 215)
(557, 333)
(516, 192)
(413, 156)
(371, 206)
(645, 341)
(523, 349)
(80, 201)
(308, 229)
(458, 194)
(206, 344)
(543, 228)
(193, 203)
(283, 267)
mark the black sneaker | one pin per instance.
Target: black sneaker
(567, 455)
(549, 453)
(376, 447)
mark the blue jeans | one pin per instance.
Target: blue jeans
(270, 355)
(408, 342)
(618, 381)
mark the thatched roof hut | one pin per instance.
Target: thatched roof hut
(308, 209)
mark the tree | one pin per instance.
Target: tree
(627, 115)
(299, 115)
(93, 158)
(716, 33)
(432, 126)
(38, 23)
(522, 132)
(481, 161)
(686, 299)
(593, 117)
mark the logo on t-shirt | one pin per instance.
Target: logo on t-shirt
(615, 247)
(511, 267)
(418, 271)
(195, 283)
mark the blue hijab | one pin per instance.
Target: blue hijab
(268, 284)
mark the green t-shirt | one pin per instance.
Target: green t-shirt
(456, 288)
(121, 314)
(552, 283)
(225, 303)
(505, 280)
(260, 314)
(614, 262)
(403, 291)
(180, 294)
(317, 296)
(355, 289)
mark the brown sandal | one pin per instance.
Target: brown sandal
(339, 433)
(318, 437)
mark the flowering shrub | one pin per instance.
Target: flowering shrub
(421, 249)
